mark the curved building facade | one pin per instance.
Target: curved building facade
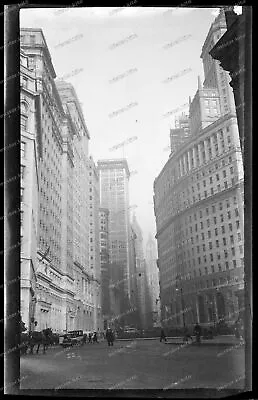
(198, 205)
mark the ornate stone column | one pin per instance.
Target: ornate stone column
(206, 150)
(194, 157)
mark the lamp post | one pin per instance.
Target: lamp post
(178, 278)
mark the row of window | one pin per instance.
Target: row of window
(171, 177)
(166, 274)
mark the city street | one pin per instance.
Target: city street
(131, 206)
(142, 364)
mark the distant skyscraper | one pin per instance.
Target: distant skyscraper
(180, 133)
(153, 277)
(142, 278)
(204, 109)
(134, 298)
(104, 263)
(182, 122)
(114, 195)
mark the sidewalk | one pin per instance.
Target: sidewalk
(224, 340)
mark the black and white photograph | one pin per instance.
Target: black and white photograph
(128, 219)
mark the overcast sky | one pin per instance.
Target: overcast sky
(154, 75)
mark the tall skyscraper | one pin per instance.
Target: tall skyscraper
(58, 289)
(215, 75)
(200, 213)
(29, 192)
(94, 245)
(142, 277)
(104, 264)
(80, 309)
(134, 299)
(114, 195)
(50, 307)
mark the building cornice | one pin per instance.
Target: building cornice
(113, 164)
(43, 46)
(62, 85)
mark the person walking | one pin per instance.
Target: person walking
(85, 336)
(197, 332)
(187, 336)
(110, 337)
(90, 337)
(95, 337)
(162, 335)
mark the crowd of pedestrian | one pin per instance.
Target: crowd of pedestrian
(206, 333)
(186, 334)
(94, 337)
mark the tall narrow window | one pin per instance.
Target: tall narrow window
(24, 122)
(23, 148)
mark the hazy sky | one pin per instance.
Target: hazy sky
(154, 75)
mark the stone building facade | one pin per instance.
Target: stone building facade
(199, 206)
(200, 233)
(29, 191)
(94, 242)
(65, 295)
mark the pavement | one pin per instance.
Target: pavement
(137, 364)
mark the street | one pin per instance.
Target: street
(142, 364)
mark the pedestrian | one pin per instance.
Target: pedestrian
(85, 338)
(110, 337)
(162, 335)
(187, 335)
(95, 337)
(197, 332)
(90, 337)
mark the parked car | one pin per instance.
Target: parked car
(130, 330)
(65, 340)
(72, 338)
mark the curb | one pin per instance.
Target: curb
(180, 341)
(204, 343)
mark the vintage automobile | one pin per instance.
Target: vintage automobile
(72, 338)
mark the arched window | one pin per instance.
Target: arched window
(24, 108)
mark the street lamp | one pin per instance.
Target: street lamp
(178, 278)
